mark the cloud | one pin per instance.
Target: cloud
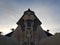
(47, 11)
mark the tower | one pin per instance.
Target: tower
(29, 31)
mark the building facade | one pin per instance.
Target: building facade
(29, 30)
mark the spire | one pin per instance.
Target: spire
(29, 9)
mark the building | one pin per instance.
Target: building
(29, 30)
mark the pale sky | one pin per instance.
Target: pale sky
(48, 12)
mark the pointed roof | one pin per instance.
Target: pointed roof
(36, 22)
(32, 13)
(29, 11)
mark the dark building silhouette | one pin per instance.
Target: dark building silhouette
(29, 30)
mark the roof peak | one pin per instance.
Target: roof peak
(29, 9)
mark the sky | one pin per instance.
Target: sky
(48, 12)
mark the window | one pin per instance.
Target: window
(29, 22)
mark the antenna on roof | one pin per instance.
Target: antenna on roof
(29, 9)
